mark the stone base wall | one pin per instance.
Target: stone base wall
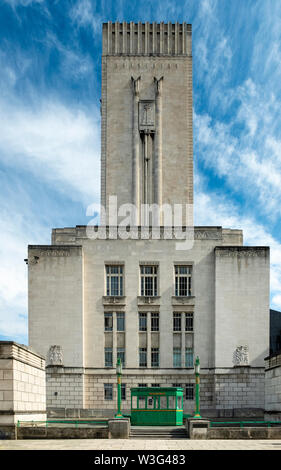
(273, 389)
(64, 387)
(234, 392)
(22, 384)
(240, 387)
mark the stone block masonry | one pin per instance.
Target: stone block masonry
(22, 384)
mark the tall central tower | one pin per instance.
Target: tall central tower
(147, 144)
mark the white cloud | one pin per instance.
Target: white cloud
(215, 209)
(57, 144)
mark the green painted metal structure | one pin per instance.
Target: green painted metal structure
(157, 406)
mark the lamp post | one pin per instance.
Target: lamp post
(119, 374)
(197, 388)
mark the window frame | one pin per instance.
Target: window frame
(108, 280)
(180, 278)
(151, 291)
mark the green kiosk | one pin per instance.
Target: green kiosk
(157, 406)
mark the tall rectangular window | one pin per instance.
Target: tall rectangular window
(114, 280)
(189, 392)
(120, 321)
(177, 357)
(149, 280)
(108, 321)
(189, 321)
(177, 321)
(142, 321)
(121, 354)
(154, 321)
(123, 391)
(142, 357)
(189, 357)
(154, 357)
(183, 280)
(108, 392)
(108, 357)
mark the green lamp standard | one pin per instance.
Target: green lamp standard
(119, 374)
(197, 388)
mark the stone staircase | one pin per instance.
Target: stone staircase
(158, 432)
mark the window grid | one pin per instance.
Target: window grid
(120, 321)
(188, 357)
(177, 357)
(149, 280)
(189, 392)
(114, 280)
(142, 357)
(108, 321)
(154, 357)
(154, 321)
(123, 391)
(108, 357)
(108, 392)
(177, 321)
(121, 354)
(142, 321)
(189, 322)
(183, 281)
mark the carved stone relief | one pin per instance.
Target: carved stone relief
(55, 356)
(241, 356)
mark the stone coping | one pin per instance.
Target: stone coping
(9, 353)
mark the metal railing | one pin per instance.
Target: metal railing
(76, 423)
(273, 361)
(242, 424)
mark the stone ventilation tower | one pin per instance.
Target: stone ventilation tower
(147, 145)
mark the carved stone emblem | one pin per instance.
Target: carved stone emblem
(241, 356)
(55, 357)
(146, 115)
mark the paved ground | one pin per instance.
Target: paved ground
(130, 444)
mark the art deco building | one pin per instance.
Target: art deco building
(154, 301)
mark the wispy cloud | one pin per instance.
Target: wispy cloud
(56, 144)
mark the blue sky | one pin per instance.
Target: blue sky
(50, 82)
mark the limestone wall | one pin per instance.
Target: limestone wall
(22, 384)
(273, 384)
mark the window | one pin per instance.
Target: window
(154, 357)
(189, 322)
(189, 357)
(142, 321)
(148, 280)
(108, 392)
(177, 357)
(123, 391)
(177, 321)
(155, 385)
(142, 357)
(176, 385)
(108, 357)
(189, 392)
(121, 354)
(114, 280)
(154, 321)
(120, 321)
(108, 321)
(183, 280)
(142, 385)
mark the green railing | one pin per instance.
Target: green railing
(241, 424)
(76, 423)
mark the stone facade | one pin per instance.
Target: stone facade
(273, 386)
(222, 312)
(154, 68)
(22, 384)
